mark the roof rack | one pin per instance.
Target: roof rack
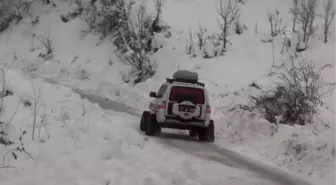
(170, 80)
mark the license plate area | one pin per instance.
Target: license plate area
(186, 109)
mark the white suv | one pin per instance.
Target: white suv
(180, 103)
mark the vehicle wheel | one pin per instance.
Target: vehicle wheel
(211, 131)
(144, 120)
(192, 132)
(208, 133)
(152, 126)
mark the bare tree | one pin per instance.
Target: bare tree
(275, 22)
(306, 16)
(329, 14)
(294, 10)
(155, 24)
(227, 14)
(36, 100)
(46, 41)
(190, 46)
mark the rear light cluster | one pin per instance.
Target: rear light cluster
(163, 105)
(208, 109)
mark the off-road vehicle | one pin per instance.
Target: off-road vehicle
(181, 103)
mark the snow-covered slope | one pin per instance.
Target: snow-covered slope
(80, 62)
(76, 142)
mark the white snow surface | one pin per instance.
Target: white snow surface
(79, 143)
(113, 151)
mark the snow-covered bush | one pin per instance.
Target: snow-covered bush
(77, 9)
(211, 45)
(132, 30)
(207, 45)
(6, 127)
(13, 153)
(82, 74)
(46, 41)
(5, 18)
(3, 126)
(12, 10)
(275, 22)
(239, 28)
(266, 39)
(298, 93)
(241, 1)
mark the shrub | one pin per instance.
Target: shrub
(208, 45)
(46, 41)
(132, 31)
(228, 14)
(239, 28)
(12, 10)
(299, 92)
(275, 22)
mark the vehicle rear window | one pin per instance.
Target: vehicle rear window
(179, 94)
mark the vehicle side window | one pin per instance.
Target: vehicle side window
(161, 91)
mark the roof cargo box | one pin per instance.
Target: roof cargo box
(184, 75)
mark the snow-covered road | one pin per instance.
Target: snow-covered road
(206, 151)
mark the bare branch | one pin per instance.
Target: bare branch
(227, 15)
(306, 17)
(294, 11)
(36, 101)
(3, 87)
(14, 113)
(329, 14)
(275, 22)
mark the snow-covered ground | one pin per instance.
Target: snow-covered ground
(77, 142)
(79, 62)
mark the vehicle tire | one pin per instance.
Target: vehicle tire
(144, 120)
(208, 133)
(192, 132)
(152, 126)
(211, 131)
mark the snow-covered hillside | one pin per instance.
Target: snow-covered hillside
(80, 60)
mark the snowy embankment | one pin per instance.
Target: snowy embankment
(77, 142)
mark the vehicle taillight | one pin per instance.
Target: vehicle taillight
(163, 105)
(208, 109)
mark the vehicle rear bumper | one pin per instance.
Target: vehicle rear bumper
(180, 126)
(178, 123)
